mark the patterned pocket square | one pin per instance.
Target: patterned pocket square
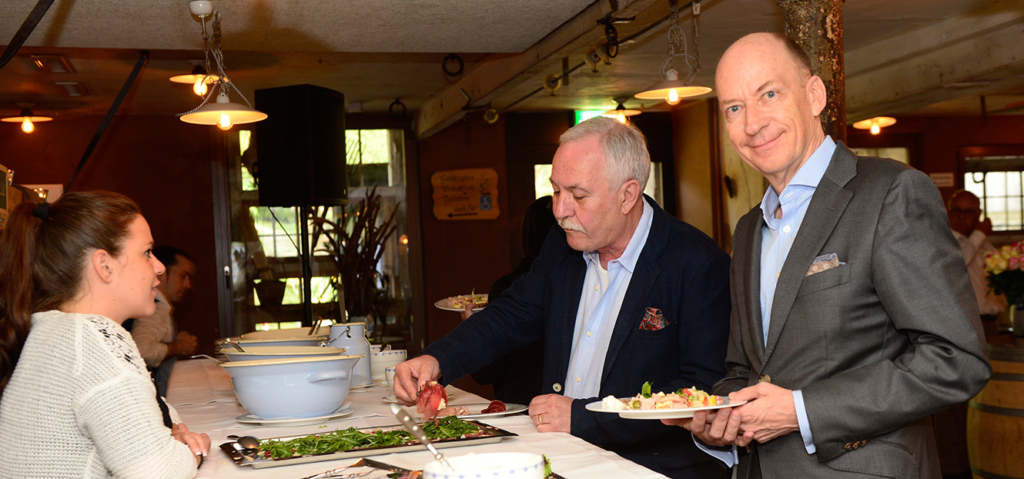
(653, 320)
(824, 262)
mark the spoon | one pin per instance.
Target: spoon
(249, 444)
(418, 433)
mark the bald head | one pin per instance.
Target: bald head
(771, 103)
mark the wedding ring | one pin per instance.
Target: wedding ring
(540, 419)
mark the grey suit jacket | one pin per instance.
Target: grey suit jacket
(877, 344)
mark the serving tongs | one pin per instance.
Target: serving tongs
(364, 462)
(418, 433)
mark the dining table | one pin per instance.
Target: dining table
(202, 395)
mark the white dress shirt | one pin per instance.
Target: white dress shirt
(603, 291)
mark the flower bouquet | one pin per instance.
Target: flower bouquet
(1004, 270)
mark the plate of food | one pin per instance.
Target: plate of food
(352, 442)
(459, 302)
(680, 404)
(482, 410)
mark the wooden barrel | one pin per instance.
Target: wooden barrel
(995, 418)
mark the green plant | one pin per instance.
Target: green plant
(355, 244)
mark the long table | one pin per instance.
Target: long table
(202, 394)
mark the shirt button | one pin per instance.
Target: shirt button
(588, 334)
(787, 229)
(578, 379)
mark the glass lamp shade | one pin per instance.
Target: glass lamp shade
(27, 120)
(875, 124)
(672, 90)
(223, 113)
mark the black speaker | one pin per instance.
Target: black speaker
(300, 147)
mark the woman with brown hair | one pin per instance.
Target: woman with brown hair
(75, 397)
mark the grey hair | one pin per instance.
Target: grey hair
(623, 145)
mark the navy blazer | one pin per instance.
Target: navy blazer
(680, 271)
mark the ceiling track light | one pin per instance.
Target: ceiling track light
(27, 120)
(672, 89)
(222, 112)
(875, 124)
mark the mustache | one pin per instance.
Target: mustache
(570, 223)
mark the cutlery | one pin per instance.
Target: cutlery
(418, 433)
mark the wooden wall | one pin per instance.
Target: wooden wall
(163, 164)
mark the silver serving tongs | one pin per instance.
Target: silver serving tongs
(418, 433)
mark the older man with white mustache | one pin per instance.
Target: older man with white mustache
(622, 293)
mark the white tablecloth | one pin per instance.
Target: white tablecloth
(202, 394)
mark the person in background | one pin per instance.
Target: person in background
(964, 209)
(517, 377)
(972, 233)
(622, 294)
(156, 334)
(75, 397)
(852, 319)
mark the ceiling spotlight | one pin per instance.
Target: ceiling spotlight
(620, 112)
(27, 120)
(672, 89)
(875, 124)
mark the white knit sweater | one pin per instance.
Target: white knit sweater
(81, 404)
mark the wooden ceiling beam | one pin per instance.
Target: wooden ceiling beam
(491, 77)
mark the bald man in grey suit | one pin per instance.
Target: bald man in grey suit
(853, 318)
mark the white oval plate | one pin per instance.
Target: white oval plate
(253, 419)
(446, 304)
(510, 409)
(681, 413)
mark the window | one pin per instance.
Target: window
(542, 182)
(901, 155)
(998, 181)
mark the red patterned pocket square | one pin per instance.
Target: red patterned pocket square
(653, 320)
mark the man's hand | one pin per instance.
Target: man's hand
(411, 375)
(985, 226)
(466, 313)
(551, 413)
(769, 414)
(198, 443)
(185, 345)
(715, 428)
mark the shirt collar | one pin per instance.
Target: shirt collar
(809, 175)
(636, 243)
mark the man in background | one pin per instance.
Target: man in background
(964, 209)
(156, 335)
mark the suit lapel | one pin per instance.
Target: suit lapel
(752, 283)
(570, 304)
(827, 205)
(645, 274)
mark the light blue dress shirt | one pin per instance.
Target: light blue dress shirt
(601, 299)
(777, 235)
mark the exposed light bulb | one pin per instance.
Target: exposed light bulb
(225, 122)
(875, 129)
(27, 126)
(673, 97)
(200, 86)
(621, 117)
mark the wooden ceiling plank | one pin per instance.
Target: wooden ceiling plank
(488, 79)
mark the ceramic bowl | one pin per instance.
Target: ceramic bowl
(257, 353)
(297, 387)
(382, 360)
(285, 333)
(497, 465)
(247, 343)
